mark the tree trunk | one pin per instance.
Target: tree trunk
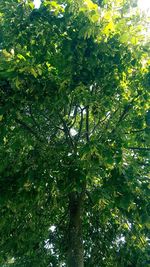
(75, 239)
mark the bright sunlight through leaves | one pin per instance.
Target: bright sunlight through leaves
(144, 5)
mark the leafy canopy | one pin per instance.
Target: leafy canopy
(74, 112)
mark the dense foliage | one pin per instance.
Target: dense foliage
(75, 123)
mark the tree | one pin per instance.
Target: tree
(74, 117)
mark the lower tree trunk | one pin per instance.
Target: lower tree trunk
(75, 238)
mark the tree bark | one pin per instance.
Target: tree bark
(75, 238)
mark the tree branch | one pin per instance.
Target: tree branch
(33, 119)
(87, 124)
(125, 112)
(136, 131)
(98, 123)
(66, 131)
(80, 126)
(139, 148)
(75, 117)
(28, 128)
(70, 108)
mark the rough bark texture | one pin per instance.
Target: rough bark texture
(75, 239)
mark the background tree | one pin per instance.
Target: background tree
(74, 115)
